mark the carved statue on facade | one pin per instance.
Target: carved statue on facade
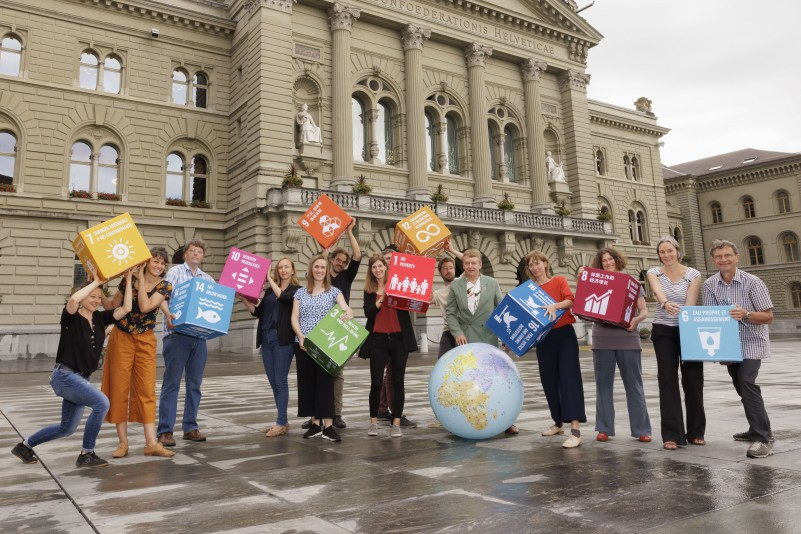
(308, 131)
(555, 171)
(643, 104)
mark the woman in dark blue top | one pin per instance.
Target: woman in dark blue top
(275, 336)
(82, 334)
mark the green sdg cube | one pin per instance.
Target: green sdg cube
(333, 342)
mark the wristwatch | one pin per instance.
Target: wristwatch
(747, 315)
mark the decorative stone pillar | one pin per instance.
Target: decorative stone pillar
(475, 54)
(577, 159)
(441, 157)
(531, 70)
(412, 39)
(340, 21)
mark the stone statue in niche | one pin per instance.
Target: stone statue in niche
(308, 131)
(555, 171)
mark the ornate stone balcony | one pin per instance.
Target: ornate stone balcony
(392, 209)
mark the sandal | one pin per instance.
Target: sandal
(513, 430)
(670, 446)
(697, 441)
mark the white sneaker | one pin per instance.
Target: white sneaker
(395, 431)
(571, 442)
(373, 429)
(554, 430)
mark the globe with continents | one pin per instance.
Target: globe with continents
(476, 391)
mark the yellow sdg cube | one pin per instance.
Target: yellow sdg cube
(422, 233)
(111, 247)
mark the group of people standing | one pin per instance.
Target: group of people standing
(289, 310)
(128, 388)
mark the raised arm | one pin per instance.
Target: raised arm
(354, 243)
(127, 300)
(448, 247)
(75, 299)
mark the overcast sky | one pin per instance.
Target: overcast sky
(723, 74)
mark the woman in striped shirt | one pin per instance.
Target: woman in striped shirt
(675, 285)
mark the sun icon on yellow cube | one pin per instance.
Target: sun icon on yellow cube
(120, 252)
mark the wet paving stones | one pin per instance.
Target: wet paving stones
(428, 481)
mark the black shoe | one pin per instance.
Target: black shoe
(338, 422)
(386, 416)
(24, 453)
(313, 431)
(90, 459)
(331, 434)
(306, 424)
(405, 423)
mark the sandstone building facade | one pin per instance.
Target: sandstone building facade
(753, 199)
(189, 113)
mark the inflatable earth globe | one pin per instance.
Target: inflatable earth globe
(476, 391)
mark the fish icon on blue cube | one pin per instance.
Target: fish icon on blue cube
(709, 334)
(520, 321)
(202, 309)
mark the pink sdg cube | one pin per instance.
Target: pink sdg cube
(245, 273)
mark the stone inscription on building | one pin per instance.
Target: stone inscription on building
(467, 25)
(308, 52)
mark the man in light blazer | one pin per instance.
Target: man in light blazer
(471, 301)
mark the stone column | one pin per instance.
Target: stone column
(482, 188)
(340, 20)
(577, 158)
(531, 70)
(412, 38)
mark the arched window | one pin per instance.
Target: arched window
(788, 242)
(112, 75)
(174, 184)
(107, 171)
(627, 167)
(431, 142)
(509, 155)
(8, 157)
(795, 295)
(600, 162)
(383, 132)
(81, 167)
(632, 225)
(359, 130)
(492, 132)
(200, 89)
(783, 202)
(638, 224)
(749, 210)
(89, 69)
(10, 55)
(635, 169)
(717, 212)
(453, 143)
(180, 86)
(755, 253)
(677, 235)
(198, 178)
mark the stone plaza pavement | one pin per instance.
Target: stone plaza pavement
(427, 481)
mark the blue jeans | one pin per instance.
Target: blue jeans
(77, 392)
(277, 360)
(630, 364)
(181, 353)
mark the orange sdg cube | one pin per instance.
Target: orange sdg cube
(111, 247)
(325, 221)
(422, 233)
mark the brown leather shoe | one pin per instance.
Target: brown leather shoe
(121, 451)
(158, 450)
(195, 435)
(277, 430)
(167, 439)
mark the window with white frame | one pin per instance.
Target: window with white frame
(376, 128)
(783, 202)
(10, 55)
(105, 75)
(638, 224)
(8, 157)
(717, 212)
(788, 242)
(749, 208)
(89, 70)
(186, 183)
(190, 90)
(94, 169)
(443, 118)
(756, 254)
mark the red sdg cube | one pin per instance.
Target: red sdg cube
(410, 281)
(606, 297)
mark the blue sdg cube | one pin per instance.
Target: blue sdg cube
(709, 334)
(520, 320)
(202, 309)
